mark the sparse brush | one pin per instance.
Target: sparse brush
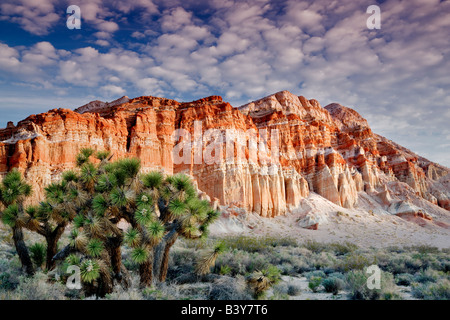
(333, 285)
(293, 290)
(314, 283)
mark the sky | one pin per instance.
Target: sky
(397, 76)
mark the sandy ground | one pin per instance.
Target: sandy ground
(363, 226)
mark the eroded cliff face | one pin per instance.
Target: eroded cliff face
(264, 157)
(44, 145)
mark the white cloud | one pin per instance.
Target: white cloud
(112, 90)
(102, 43)
(36, 17)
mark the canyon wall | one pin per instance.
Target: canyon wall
(264, 156)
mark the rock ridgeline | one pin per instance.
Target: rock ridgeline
(330, 151)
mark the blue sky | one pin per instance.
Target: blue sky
(397, 77)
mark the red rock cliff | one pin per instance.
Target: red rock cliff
(264, 156)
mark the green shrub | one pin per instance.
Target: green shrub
(260, 281)
(426, 276)
(38, 253)
(423, 249)
(316, 273)
(343, 247)
(225, 270)
(314, 283)
(357, 284)
(257, 244)
(355, 261)
(293, 290)
(404, 279)
(333, 285)
(432, 291)
(314, 246)
(7, 282)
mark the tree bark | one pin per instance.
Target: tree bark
(22, 251)
(161, 260)
(146, 272)
(165, 259)
(105, 286)
(52, 245)
(114, 250)
(64, 253)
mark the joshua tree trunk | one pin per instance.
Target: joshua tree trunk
(105, 286)
(52, 245)
(63, 253)
(162, 255)
(22, 251)
(146, 272)
(114, 250)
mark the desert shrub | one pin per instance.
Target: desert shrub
(120, 294)
(333, 285)
(314, 246)
(314, 283)
(280, 289)
(303, 266)
(279, 292)
(182, 257)
(257, 262)
(337, 275)
(293, 290)
(413, 264)
(257, 244)
(38, 253)
(37, 288)
(225, 270)
(423, 249)
(7, 282)
(228, 288)
(195, 291)
(163, 291)
(341, 248)
(355, 261)
(404, 279)
(324, 260)
(395, 249)
(357, 284)
(316, 273)
(185, 278)
(445, 266)
(400, 263)
(426, 276)
(432, 291)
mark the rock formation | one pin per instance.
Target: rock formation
(264, 157)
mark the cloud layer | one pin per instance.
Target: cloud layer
(396, 77)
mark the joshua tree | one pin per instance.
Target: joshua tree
(13, 191)
(158, 209)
